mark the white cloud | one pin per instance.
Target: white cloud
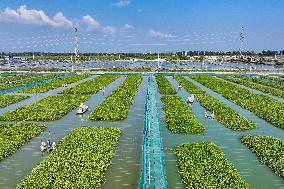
(122, 3)
(127, 27)
(23, 15)
(153, 33)
(93, 24)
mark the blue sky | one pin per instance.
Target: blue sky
(140, 25)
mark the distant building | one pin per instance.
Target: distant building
(18, 58)
(280, 58)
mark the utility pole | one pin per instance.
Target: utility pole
(242, 38)
(76, 58)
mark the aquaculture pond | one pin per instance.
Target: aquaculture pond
(141, 131)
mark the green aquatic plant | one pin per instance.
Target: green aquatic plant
(204, 165)
(164, 86)
(79, 162)
(6, 100)
(47, 109)
(92, 86)
(179, 118)
(269, 150)
(53, 84)
(13, 136)
(117, 104)
(263, 106)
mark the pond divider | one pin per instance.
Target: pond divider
(152, 173)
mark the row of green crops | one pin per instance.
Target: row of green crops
(263, 106)
(6, 100)
(92, 86)
(179, 119)
(164, 86)
(30, 80)
(13, 136)
(226, 115)
(262, 82)
(262, 88)
(15, 77)
(53, 84)
(203, 165)
(47, 109)
(276, 79)
(80, 161)
(188, 86)
(269, 150)
(117, 104)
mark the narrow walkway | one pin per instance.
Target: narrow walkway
(153, 166)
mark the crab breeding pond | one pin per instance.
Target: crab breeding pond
(141, 130)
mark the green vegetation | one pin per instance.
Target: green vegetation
(262, 82)
(28, 80)
(47, 109)
(226, 115)
(92, 86)
(80, 161)
(165, 87)
(53, 84)
(269, 150)
(116, 105)
(203, 165)
(262, 88)
(188, 86)
(179, 118)
(14, 136)
(6, 100)
(265, 107)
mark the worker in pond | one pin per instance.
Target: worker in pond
(43, 146)
(48, 145)
(212, 115)
(53, 147)
(179, 87)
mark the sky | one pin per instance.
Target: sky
(141, 25)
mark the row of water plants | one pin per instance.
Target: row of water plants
(262, 88)
(204, 165)
(6, 100)
(262, 82)
(13, 136)
(276, 79)
(179, 118)
(47, 109)
(188, 86)
(226, 115)
(53, 84)
(164, 86)
(117, 104)
(265, 107)
(92, 86)
(31, 80)
(15, 77)
(268, 149)
(80, 161)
